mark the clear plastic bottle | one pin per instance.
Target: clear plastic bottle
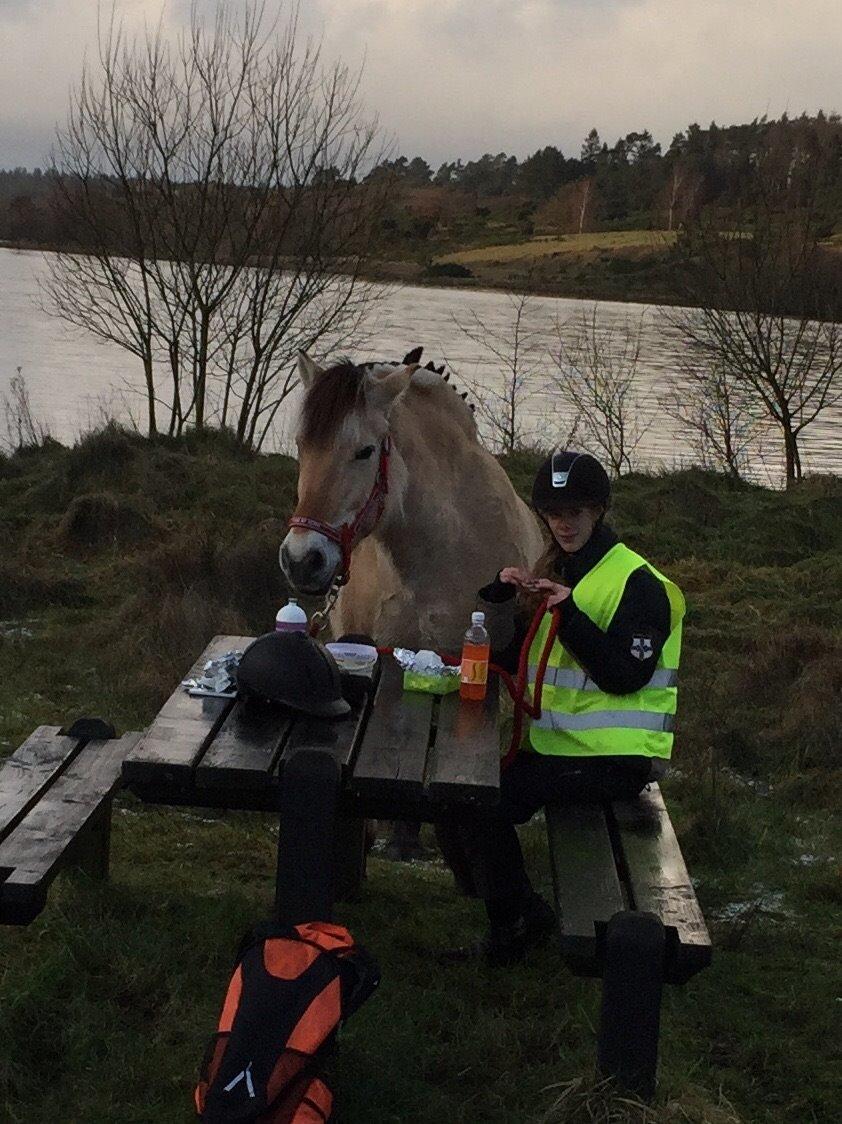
(476, 648)
(291, 618)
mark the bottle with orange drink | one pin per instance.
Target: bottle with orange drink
(473, 676)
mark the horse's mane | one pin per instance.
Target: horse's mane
(339, 390)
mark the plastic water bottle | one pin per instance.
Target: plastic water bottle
(291, 618)
(473, 676)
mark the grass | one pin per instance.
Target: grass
(625, 265)
(123, 556)
(568, 244)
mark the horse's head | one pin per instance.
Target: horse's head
(343, 466)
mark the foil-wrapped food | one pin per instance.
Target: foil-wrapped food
(426, 671)
(218, 679)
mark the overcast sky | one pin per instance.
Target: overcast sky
(456, 78)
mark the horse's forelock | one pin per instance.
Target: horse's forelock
(333, 396)
(341, 389)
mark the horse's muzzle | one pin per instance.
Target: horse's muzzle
(309, 566)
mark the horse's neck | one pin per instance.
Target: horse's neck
(424, 529)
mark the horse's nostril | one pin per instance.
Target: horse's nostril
(314, 561)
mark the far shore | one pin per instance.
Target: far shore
(589, 276)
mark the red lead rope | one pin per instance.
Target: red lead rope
(517, 687)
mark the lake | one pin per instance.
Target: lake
(74, 381)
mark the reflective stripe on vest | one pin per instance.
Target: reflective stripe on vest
(580, 680)
(604, 719)
(579, 719)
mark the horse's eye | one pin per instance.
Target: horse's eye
(364, 454)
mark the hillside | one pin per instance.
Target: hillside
(124, 556)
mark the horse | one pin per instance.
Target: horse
(400, 503)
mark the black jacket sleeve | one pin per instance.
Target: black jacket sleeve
(608, 657)
(504, 621)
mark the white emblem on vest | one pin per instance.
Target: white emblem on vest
(641, 648)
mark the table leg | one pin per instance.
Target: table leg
(630, 1019)
(304, 888)
(350, 857)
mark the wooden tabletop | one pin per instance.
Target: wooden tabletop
(403, 754)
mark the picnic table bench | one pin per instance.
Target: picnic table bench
(55, 811)
(626, 907)
(627, 912)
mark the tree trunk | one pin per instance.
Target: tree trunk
(150, 394)
(792, 459)
(202, 370)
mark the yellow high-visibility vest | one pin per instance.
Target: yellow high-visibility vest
(577, 718)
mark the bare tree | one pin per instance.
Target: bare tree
(596, 373)
(717, 418)
(682, 192)
(214, 189)
(22, 429)
(767, 306)
(514, 351)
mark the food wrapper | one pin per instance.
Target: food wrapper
(426, 671)
(218, 679)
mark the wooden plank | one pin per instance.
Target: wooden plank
(659, 881)
(30, 770)
(185, 725)
(245, 749)
(587, 888)
(464, 764)
(341, 737)
(32, 853)
(392, 756)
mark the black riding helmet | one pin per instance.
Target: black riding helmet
(294, 669)
(570, 479)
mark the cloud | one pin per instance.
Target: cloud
(457, 78)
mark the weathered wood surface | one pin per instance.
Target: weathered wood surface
(31, 852)
(587, 888)
(393, 755)
(341, 737)
(30, 770)
(464, 763)
(658, 877)
(245, 749)
(174, 743)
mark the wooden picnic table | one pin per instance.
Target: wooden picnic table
(626, 906)
(397, 755)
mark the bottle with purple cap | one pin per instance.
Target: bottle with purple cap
(291, 618)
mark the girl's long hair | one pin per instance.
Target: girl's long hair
(545, 567)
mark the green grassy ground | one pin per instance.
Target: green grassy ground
(121, 558)
(575, 244)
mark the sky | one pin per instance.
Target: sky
(456, 78)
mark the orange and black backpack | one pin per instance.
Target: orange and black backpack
(291, 989)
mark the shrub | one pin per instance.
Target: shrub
(98, 519)
(447, 269)
(24, 588)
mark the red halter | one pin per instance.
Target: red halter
(349, 534)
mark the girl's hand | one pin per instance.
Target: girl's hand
(514, 575)
(557, 593)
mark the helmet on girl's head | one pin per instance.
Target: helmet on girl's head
(570, 479)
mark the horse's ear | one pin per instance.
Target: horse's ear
(308, 369)
(382, 393)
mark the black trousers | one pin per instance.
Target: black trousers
(531, 781)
